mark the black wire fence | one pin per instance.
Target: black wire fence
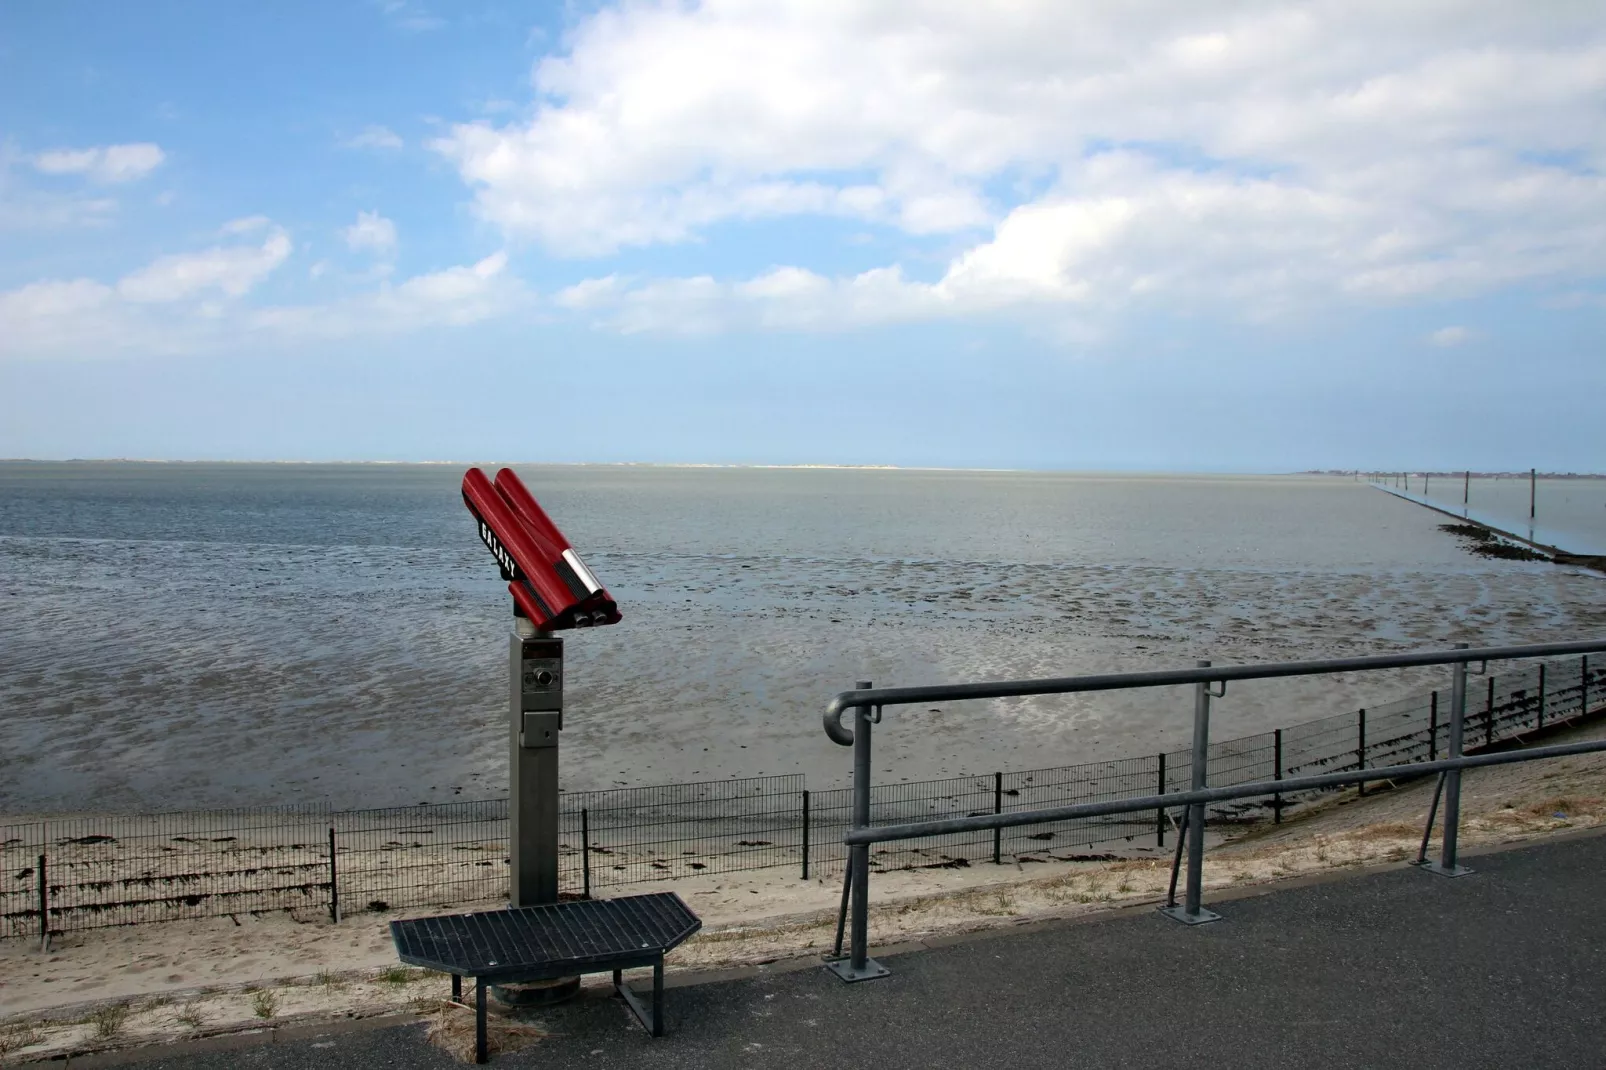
(91, 871)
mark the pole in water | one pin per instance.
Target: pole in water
(1533, 479)
(1466, 488)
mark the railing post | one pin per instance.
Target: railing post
(998, 808)
(585, 851)
(1360, 749)
(44, 907)
(1433, 726)
(1446, 866)
(1191, 912)
(1541, 723)
(334, 880)
(805, 833)
(1159, 813)
(858, 965)
(1277, 774)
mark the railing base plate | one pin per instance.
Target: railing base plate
(1181, 914)
(843, 968)
(1443, 871)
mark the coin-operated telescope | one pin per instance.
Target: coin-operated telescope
(551, 586)
(552, 590)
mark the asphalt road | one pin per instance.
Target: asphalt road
(1504, 968)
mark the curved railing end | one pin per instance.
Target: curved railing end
(840, 735)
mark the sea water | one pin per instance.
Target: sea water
(184, 635)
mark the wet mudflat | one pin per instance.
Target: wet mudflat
(183, 636)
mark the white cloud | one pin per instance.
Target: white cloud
(372, 233)
(172, 305)
(1249, 157)
(375, 137)
(589, 293)
(38, 210)
(1450, 337)
(454, 297)
(49, 299)
(233, 269)
(82, 318)
(786, 298)
(108, 163)
(245, 225)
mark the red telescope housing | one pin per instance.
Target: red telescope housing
(549, 583)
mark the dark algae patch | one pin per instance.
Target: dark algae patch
(1485, 543)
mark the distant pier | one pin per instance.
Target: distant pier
(1588, 556)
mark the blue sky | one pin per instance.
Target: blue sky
(1159, 236)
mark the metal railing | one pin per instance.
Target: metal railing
(84, 871)
(867, 703)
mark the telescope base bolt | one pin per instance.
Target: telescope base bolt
(843, 968)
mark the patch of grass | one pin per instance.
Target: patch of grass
(328, 981)
(452, 1030)
(401, 975)
(265, 1004)
(23, 1035)
(1556, 804)
(158, 1002)
(191, 1016)
(108, 1020)
(1388, 830)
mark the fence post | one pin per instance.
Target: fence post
(1583, 685)
(1159, 813)
(1360, 748)
(44, 907)
(1277, 774)
(585, 851)
(1433, 726)
(1541, 724)
(998, 808)
(1488, 725)
(334, 881)
(1446, 866)
(805, 833)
